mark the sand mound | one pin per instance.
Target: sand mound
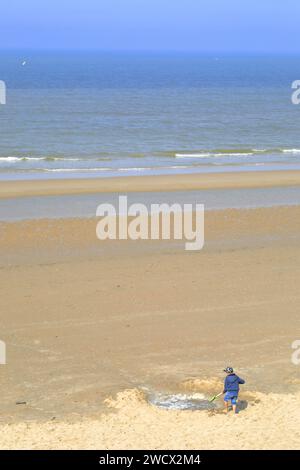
(127, 399)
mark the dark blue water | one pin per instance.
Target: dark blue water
(91, 114)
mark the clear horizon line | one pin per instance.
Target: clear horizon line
(156, 51)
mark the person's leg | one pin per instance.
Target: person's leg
(226, 403)
(234, 405)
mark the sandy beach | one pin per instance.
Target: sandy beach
(94, 327)
(178, 182)
(149, 231)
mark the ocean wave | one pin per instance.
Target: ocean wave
(10, 159)
(74, 169)
(290, 150)
(209, 155)
(29, 159)
(52, 159)
(193, 155)
(180, 160)
(235, 152)
(136, 169)
(178, 154)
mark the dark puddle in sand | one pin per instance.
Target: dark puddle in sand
(180, 401)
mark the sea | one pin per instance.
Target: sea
(103, 114)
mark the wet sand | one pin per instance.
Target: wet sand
(84, 321)
(149, 183)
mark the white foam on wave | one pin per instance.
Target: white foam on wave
(233, 154)
(151, 168)
(291, 150)
(245, 153)
(75, 169)
(10, 159)
(192, 155)
(178, 167)
(22, 159)
(135, 169)
(212, 155)
(130, 169)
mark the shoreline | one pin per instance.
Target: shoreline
(166, 183)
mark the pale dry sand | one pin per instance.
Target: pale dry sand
(269, 422)
(85, 321)
(9, 189)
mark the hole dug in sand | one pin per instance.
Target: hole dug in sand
(194, 401)
(145, 397)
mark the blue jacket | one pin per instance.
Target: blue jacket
(232, 383)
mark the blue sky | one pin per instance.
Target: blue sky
(189, 25)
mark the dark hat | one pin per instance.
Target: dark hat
(229, 370)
